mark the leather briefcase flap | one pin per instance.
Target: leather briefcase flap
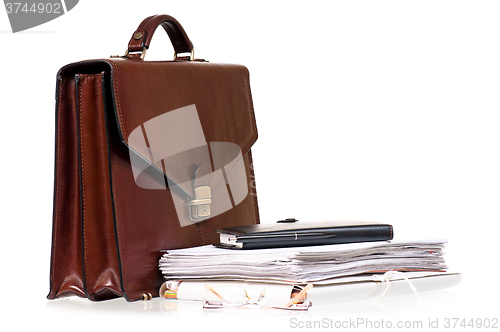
(185, 125)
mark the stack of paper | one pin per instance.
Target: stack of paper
(316, 264)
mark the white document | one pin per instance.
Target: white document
(362, 288)
(301, 265)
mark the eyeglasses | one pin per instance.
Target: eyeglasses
(238, 297)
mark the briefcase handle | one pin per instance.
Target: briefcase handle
(141, 38)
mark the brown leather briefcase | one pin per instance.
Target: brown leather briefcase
(150, 155)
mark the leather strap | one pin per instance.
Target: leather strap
(202, 175)
(144, 33)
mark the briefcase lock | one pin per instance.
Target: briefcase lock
(199, 206)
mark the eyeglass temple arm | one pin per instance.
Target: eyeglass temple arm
(210, 288)
(292, 300)
(299, 294)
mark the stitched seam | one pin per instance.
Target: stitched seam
(83, 177)
(58, 168)
(96, 78)
(117, 98)
(148, 19)
(200, 236)
(143, 24)
(254, 188)
(117, 229)
(83, 77)
(249, 154)
(248, 144)
(114, 203)
(250, 104)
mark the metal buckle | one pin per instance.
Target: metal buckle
(143, 54)
(191, 55)
(199, 206)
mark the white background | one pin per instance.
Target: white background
(374, 110)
